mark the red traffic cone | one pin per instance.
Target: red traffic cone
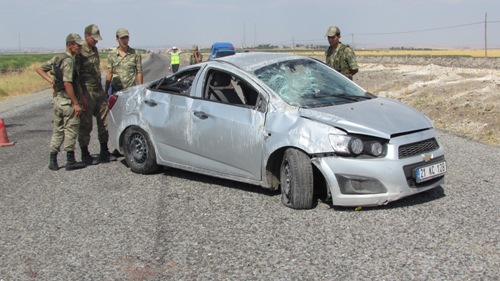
(4, 139)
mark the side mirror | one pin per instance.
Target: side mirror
(261, 104)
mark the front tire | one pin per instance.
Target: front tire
(296, 179)
(139, 151)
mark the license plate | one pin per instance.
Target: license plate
(429, 172)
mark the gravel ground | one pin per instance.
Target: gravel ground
(106, 223)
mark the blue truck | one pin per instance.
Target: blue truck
(221, 49)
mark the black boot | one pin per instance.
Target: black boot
(71, 163)
(104, 155)
(53, 161)
(116, 153)
(87, 158)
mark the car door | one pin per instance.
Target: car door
(166, 112)
(228, 136)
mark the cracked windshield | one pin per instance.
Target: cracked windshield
(307, 84)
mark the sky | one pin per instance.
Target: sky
(160, 24)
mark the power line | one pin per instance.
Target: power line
(398, 32)
(420, 30)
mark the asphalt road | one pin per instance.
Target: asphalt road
(107, 223)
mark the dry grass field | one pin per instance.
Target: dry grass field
(13, 84)
(443, 52)
(397, 53)
(461, 100)
(26, 81)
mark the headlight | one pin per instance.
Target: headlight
(356, 146)
(345, 144)
(373, 148)
(340, 143)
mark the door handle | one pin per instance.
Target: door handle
(200, 114)
(150, 102)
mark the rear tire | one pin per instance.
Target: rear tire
(139, 151)
(296, 179)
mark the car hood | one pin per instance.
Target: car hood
(379, 117)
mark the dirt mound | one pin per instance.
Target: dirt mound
(460, 95)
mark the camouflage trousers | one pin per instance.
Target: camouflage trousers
(97, 106)
(66, 125)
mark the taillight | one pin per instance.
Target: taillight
(112, 100)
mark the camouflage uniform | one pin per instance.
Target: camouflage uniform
(90, 82)
(341, 59)
(192, 59)
(124, 69)
(66, 124)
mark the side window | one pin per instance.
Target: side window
(179, 83)
(226, 88)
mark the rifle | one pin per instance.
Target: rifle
(57, 72)
(59, 81)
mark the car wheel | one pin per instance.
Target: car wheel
(139, 151)
(296, 179)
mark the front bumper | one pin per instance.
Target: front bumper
(374, 182)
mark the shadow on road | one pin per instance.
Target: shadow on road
(417, 199)
(171, 172)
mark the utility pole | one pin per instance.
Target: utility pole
(485, 35)
(244, 37)
(254, 34)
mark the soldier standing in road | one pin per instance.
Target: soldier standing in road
(124, 68)
(196, 56)
(90, 82)
(124, 64)
(339, 56)
(68, 104)
(175, 58)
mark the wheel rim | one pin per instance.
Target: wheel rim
(138, 148)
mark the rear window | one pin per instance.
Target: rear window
(224, 53)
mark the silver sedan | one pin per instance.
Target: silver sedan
(281, 122)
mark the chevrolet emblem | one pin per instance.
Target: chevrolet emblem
(427, 158)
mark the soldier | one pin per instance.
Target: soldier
(68, 104)
(339, 56)
(90, 82)
(124, 67)
(196, 56)
(124, 64)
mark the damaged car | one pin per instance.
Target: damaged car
(282, 122)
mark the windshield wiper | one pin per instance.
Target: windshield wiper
(344, 96)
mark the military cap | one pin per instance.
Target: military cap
(121, 32)
(195, 47)
(332, 31)
(93, 31)
(75, 38)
